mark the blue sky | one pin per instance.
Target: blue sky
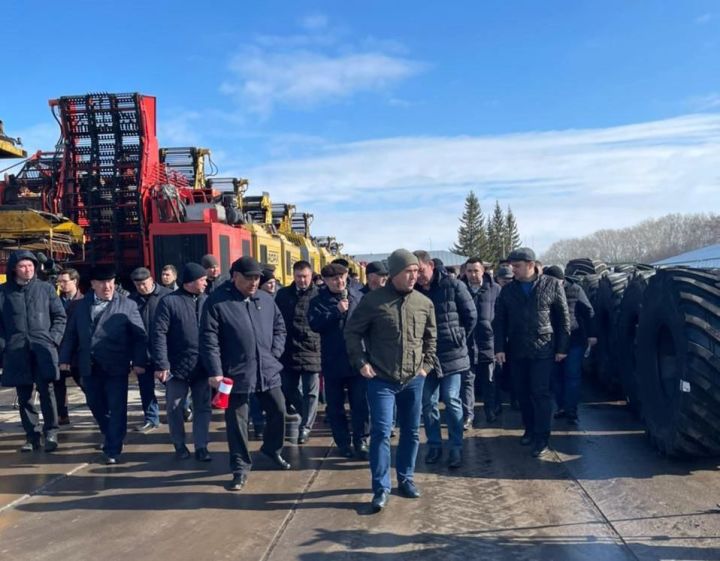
(380, 116)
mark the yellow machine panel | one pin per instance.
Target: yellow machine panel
(291, 255)
(267, 249)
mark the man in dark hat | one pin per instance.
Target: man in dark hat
(107, 336)
(328, 313)
(175, 344)
(32, 321)
(268, 282)
(504, 275)
(242, 337)
(213, 271)
(377, 275)
(147, 296)
(533, 324)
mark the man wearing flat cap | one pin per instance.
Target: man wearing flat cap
(391, 339)
(107, 335)
(147, 296)
(377, 275)
(532, 325)
(242, 337)
(175, 348)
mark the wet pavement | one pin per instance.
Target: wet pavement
(603, 494)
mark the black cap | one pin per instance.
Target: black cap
(333, 270)
(340, 261)
(522, 254)
(504, 272)
(192, 272)
(268, 273)
(102, 272)
(246, 265)
(377, 267)
(140, 274)
(554, 271)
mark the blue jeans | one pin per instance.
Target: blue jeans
(567, 378)
(107, 400)
(383, 396)
(146, 385)
(446, 388)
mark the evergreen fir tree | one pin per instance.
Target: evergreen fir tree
(496, 235)
(472, 241)
(512, 236)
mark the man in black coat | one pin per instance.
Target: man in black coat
(32, 321)
(533, 324)
(568, 373)
(214, 274)
(107, 337)
(175, 345)
(242, 337)
(147, 296)
(484, 292)
(456, 316)
(327, 315)
(68, 281)
(301, 359)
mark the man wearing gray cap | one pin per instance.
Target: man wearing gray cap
(377, 275)
(147, 296)
(391, 340)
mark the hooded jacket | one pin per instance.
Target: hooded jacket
(32, 323)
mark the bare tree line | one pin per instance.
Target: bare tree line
(646, 242)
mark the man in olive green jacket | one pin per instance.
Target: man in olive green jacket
(391, 339)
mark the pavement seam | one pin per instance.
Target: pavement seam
(43, 487)
(293, 510)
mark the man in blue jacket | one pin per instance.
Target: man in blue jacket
(174, 346)
(107, 335)
(242, 337)
(328, 313)
(32, 321)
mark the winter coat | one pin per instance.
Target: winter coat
(242, 338)
(582, 324)
(325, 319)
(394, 332)
(481, 341)
(534, 326)
(456, 316)
(116, 342)
(32, 322)
(175, 336)
(302, 344)
(147, 305)
(221, 279)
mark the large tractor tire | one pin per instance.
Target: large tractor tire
(607, 310)
(678, 354)
(585, 266)
(626, 336)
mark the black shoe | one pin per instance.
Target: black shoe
(202, 455)
(433, 456)
(560, 414)
(276, 458)
(408, 489)
(540, 449)
(527, 439)
(362, 452)
(346, 452)
(145, 428)
(30, 446)
(238, 482)
(304, 436)
(182, 452)
(455, 459)
(187, 415)
(110, 460)
(490, 418)
(468, 424)
(64, 420)
(51, 443)
(572, 418)
(380, 500)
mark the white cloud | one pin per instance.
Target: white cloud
(705, 102)
(314, 67)
(379, 194)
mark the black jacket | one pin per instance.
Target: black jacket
(175, 337)
(582, 324)
(32, 322)
(147, 305)
(456, 317)
(221, 279)
(481, 343)
(116, 342)
(242, 338)
(302, 345)
(325, 319)
(532, 326)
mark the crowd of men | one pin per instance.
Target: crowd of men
(417, 333)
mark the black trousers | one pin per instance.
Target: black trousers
(236, 426)
(107, 398)
(60, 388)
(30, 416)
(335, 392)
(531, 378)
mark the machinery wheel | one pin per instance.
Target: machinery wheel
(585, 266)
(626, 336)
(678, 354)
(607, 307)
